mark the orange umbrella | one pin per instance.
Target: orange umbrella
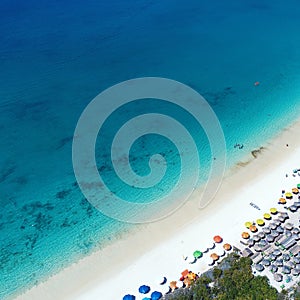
(227, 247)
(282, 201)
(245, 235)
(218, 239)
(253, 228)
(192, 276)
(295, 191)
(185, 273)
(214, 256)
(173, 285)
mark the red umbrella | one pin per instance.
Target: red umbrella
(218, 239)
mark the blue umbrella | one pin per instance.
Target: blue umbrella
(146, 298)
(156, 295)
(129, 297)
(144, 289)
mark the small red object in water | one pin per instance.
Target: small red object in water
(256, 83)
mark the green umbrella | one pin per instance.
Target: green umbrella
(298, 185)
(197, 254)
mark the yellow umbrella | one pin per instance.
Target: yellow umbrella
(260, 222)
(267, 216)
(273, 210)
(192, 276)
(288, 195)
(248, 224)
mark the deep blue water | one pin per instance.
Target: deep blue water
(56, 57)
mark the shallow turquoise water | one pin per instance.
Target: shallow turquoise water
(55, 58)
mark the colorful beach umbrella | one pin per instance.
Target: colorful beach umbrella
(295, 191)
(248, 224)
(156, 295)
(273, 210)
(218, 239)
(184, 273)
(245, 235)
(298, 186)
(144, 289)
(197, 254)
(173, 285)
(214, 256)
(282, 201)
(267, 216)
(288, 195)
(227, 247)
(129, 297)
(253, 228)
(260, 222)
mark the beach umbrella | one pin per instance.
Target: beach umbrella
(273, 269)
(218, 239)
(273, 210)
(256, 238)
(288, 195)
(297, 267)
(184, 273)
(263, 243)
(277, 252)
(288, 226)
(281, 219)
(286, 270)
(146, 298)
(288, 234)
(260, 222)
(273, 225)
(295, 272)
(144, 289)
(156, 295)
(129, 297)
(248, 224)
(253, 228)
(197, 254)
(298, 186)
(214, 256)
(265, 262)
(257, 248)
(296, 260)
(269, 238)
(267, 216)
(278, 277)
(173, 285)
(273, 257)
(261, 234)
(259, 267)
(295, 191)
(274, 233)
(277, 222)
(278, 263)
(250, 242)
(192, 276)
(227, 246)
(266, 229)
(187, 282)
(293, 208)
(280, 229)
(286, 257)
(290, 264)
(281, 201)
(245, 235)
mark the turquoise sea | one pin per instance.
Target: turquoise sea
(55, 57)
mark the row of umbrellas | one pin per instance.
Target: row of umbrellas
(144, 289)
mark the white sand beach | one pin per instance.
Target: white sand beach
(157, 250)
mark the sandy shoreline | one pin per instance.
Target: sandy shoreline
(147, 255)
